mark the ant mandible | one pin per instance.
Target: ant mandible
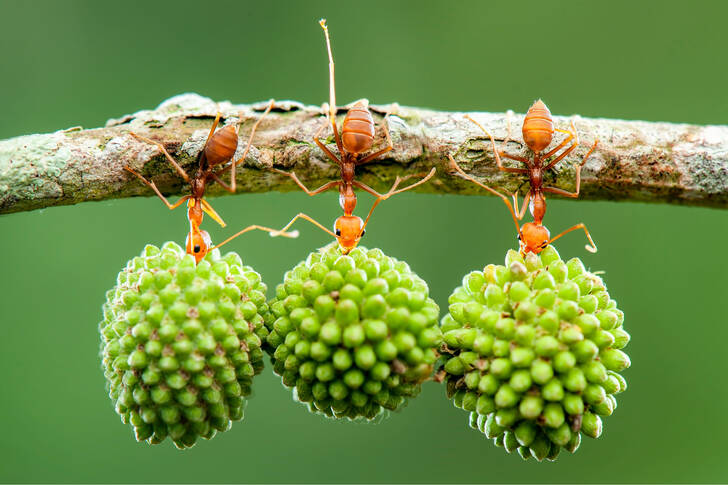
(219, 148)
(538, 131)
(357, 138)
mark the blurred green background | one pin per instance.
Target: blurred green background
(79, 63)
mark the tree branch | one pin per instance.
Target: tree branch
(635, 160)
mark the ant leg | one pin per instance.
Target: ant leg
(370, 190)
(211, 212)
(591, 248)
(526, 199)
(234, 163)
(572, 135)
(156, 191)
(563, 143)
(505, 155)
(332, 88)
(462, 174)
(174, 163)
(310, 219)
(575, 194)
(393, 190)
(323, 188)
(212, 129)
(220, 181)
(384, 150)
(323, 147)
(271, 231)
(559, 158)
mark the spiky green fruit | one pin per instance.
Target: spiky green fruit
(181, 343)
(353, 334)
(531, 349)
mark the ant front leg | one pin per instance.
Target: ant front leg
(503, 154)
(393, 189)
(310, 219)
(271, 231)
(592, 248)
(174, 163)
(469, 178)
(152, 186)
(323, 188)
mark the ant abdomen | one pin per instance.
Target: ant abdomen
(357, 133)
(222, 146)
(538, 127)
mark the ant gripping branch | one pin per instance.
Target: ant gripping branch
(538, 131)
(355, 140)
(219, 149)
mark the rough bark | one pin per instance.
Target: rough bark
(635, 160)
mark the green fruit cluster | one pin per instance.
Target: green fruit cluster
(532, 351)
(353, 334)
(181, 343)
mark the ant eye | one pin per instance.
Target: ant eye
(338, 232)
(519, 236)
(197, 248)
(363, 231)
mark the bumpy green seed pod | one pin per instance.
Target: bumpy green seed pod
(181, 343)
(352, 335)
(531, 349)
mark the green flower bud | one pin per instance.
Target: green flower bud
(531, 407)
(488, 383)
(546, 346)
(541, 371)
(591, 425)
(518, 291)
(621, 338)
(573, 404)
(553, 390)
(506, 397)
(574, 380)
(614, 360)
(563, 361)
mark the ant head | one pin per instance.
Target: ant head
(222, 145)
(348, 231)
(533, 238)
(538, 127)
(198, 243)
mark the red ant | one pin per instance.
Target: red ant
(538, 131)
(357, 138)
(219, 148)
